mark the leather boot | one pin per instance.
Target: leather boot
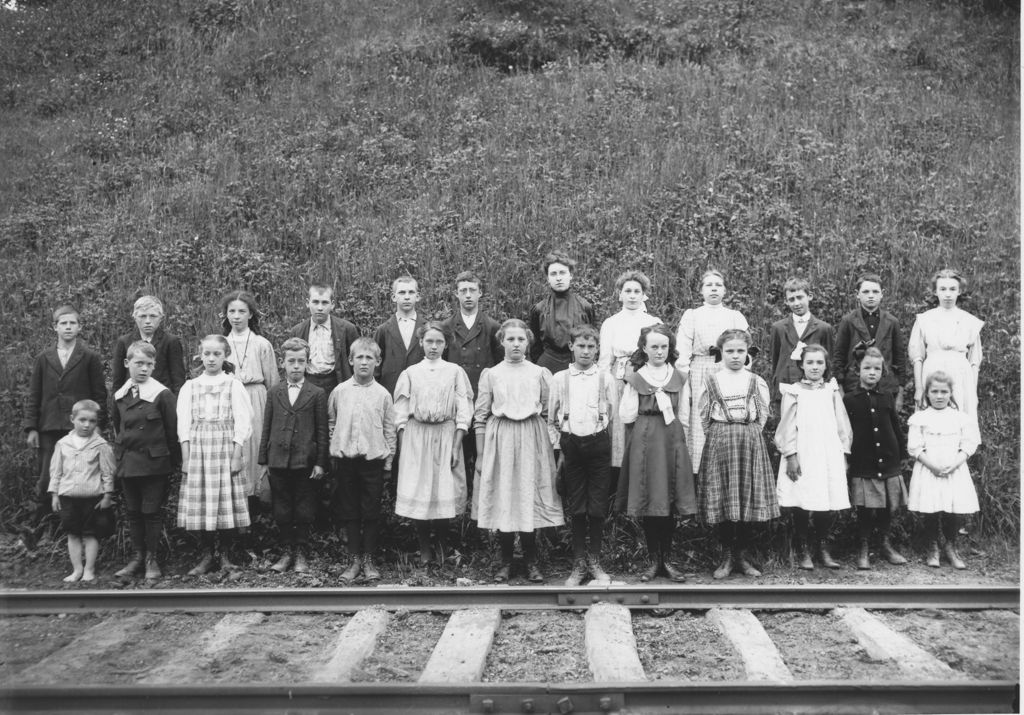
(933, 555)
(205, 564)
(301, 562)
(504, 573)
(953, 556)
(746, 567)
(650, 572)
(133, 566)
(226, 564)
(579, 569)
(352, 572)
(153, 568)
(533, 572)
(863, 559)
(724, 567)
(673, 573)
(283, 563)
(803, 560)
(891, 555)
(826, 558)
(594, 566)
(370, 571)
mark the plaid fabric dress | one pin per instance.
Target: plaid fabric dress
(735, 481)
(211, 498)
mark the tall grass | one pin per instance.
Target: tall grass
(191, 147)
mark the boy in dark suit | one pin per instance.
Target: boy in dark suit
(169, 369)
(790, 335)
(330, 338)
(294, 448)
(397, 336)
(475, 343)
(147, 451)
(61, 376)
(865, 326)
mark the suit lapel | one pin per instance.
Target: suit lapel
(305, 395)
(76, 355)
(791, 335)
(471, 333)
(413, 344)
(53, 360)
(861, 326)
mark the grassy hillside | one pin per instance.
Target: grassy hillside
(187, 147)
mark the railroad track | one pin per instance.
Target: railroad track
(324, 649)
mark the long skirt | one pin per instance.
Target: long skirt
(429, 487)
(211, 498)
(700, 367)
(656, 478)
(254, 475)
(515, 490)
(736, 481)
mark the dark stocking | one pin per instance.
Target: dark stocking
(529, 541)
(865, 519)
(801, 525)
(932, 527)
(352, 532)
(441, 534)
(650, 525)
(423, 538)
(822, 524)
(371, 532)
(950, 527)
(726, 532)
(595, 527)
(506, 543)
(137, 530)
(153, 527)
(883, 520)
(579, 536)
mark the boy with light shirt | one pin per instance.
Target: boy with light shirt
(361, 415)
(397, 336)
(791, 335)
(61, 376)
(329, 337)
(475, 345)
(294, 445)
(868, 325)
(579, 407)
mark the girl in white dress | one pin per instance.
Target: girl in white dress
(514, 487)
(947, 338)
(254, 364)
(619, 335)
(699, 329)
(813, 435)
(941, 439)
(433, 410)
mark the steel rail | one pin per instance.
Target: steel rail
(696, 597)
(682, 697)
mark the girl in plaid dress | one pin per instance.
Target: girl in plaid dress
(214, 421)
(735, 485)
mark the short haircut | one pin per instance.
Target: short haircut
(515, 323)
(147, 303)
(65, 309)
(941, 377)
(363, 344)
(871, 352)
(635, 276)
(469, 277)
(868, 278)
(558, 256)
(434, 325)
(321, 288)
(817, 348)
(141, 347)
(85, 405)
(294, 345)
(584, 330)
(406, 278)
(796, 284)
(949, 273)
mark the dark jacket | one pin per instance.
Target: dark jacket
(851, 331)
(783, 342)
(343, 334)
(170, 360)
(53, 390)
(878, 440)
(551, 349)
(295, 436)
(394, 355)
(474, 348)
(146, 435)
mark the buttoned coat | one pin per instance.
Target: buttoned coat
(879, 442)
(853, 330)
(783, 342)
(295, 436)
(395, 357)
(53, 390)
(146, 435)
(476, 348)
(169, 369)
(343, 334)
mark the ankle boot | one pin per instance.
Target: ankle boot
(744, 562)
(724, 567)
(826, 558)
(863, 559)
(205, 564)
(283, 563)
(891, 555)
(579, 569)
(594, 566)
(803, 559)
(953, 556)
(152, 568)
(133, 566)
(301, 562)
(370, 572)
(673, 573)
(349, 575)
(933, 555)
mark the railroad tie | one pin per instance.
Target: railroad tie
(611, 645)
(883, 643)
(212, 643)
(355, 643)
(761, 659)
(461, 652)
(111, 633)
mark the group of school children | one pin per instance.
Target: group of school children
(544, 420)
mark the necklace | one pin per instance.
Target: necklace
(245, 349)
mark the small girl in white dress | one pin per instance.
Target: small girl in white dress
(941, 439)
